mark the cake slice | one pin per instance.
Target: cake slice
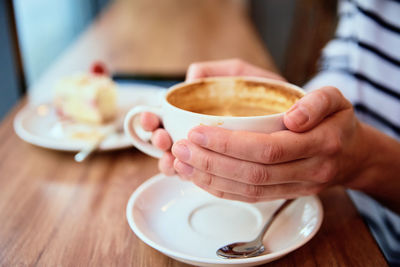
(88, 98)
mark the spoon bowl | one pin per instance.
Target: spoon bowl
(239, 250)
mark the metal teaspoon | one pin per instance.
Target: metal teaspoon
(252, 248)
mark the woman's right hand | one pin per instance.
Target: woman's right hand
(232, 67)
(161, 139)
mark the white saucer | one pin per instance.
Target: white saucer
(188, 224)
(40, 126)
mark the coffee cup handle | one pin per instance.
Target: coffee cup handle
(131, 124)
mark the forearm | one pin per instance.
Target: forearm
(379, 176)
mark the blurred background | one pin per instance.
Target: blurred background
(35, 35)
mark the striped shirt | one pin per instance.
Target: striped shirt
(363, 61)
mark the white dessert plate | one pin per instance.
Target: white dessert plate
(40, 125)
(188, 224)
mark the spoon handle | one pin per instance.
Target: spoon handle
(87, 151)
(255, 247)
(266, 226)
(84, 153)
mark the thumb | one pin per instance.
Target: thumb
(313, 108)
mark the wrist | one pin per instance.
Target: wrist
(379, 167)
(367, 163)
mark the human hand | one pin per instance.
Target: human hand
(323, 146)
(233, 67)
(229, 67)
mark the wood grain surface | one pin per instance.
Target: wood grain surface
(162, 37)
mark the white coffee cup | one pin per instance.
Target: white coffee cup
(178, 121)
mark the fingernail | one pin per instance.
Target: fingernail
(181, 151)
(183, 168)
(298, 115)
(198, 138)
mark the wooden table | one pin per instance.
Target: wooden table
(162, 37)
(56, 212)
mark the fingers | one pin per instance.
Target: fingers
(194, 161)
(161, 139)
(166, 164)
(149, 121)
(230, 67)
(235, 179)
(313, 108)
(226, 188)
(251, 193)
(272, 148)
(225, 195)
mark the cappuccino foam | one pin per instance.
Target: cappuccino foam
(234, 97)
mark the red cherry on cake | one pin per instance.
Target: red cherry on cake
(98, 68)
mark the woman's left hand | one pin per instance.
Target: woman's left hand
(323, 146)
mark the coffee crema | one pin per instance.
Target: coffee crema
(234, 97)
